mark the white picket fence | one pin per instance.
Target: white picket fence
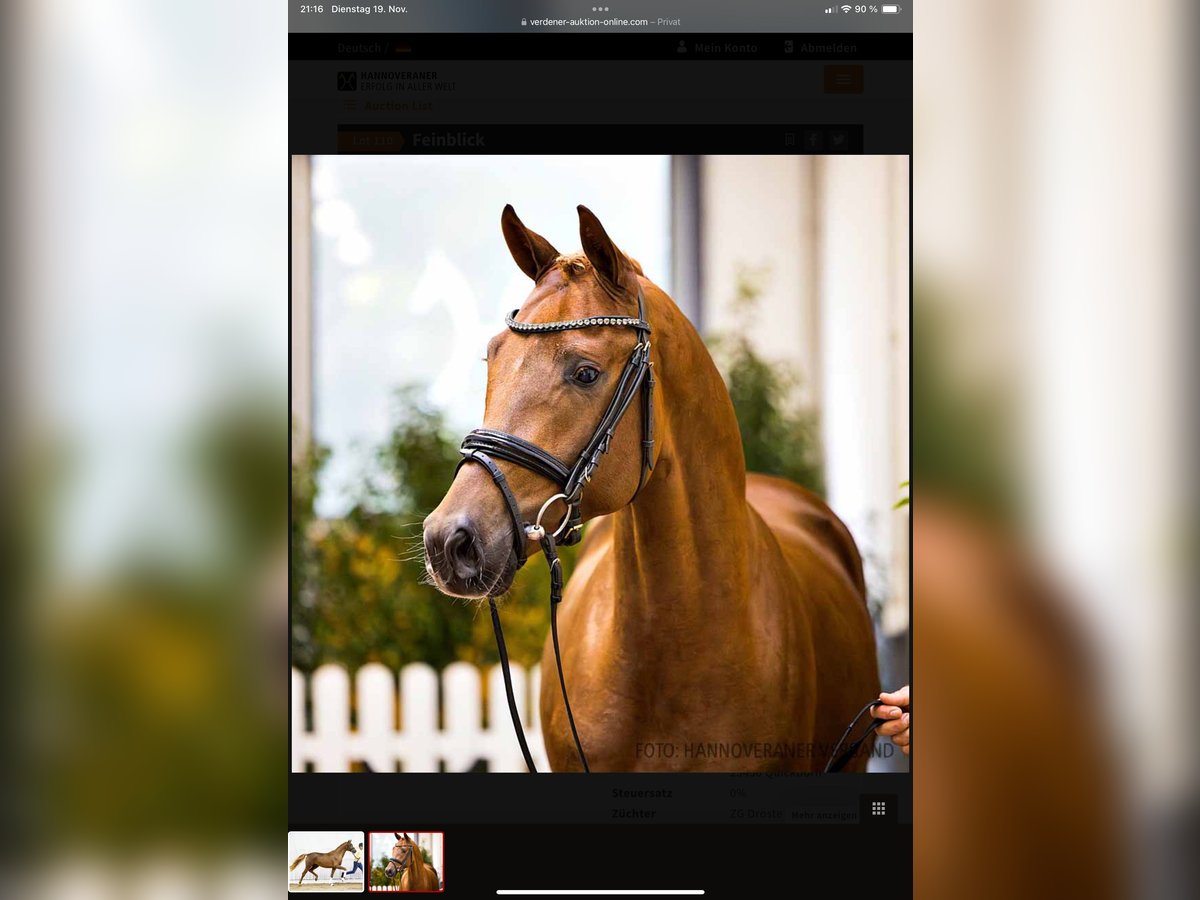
(418, 744)
(387, 887)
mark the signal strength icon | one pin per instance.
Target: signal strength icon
(828, 10)
(847, 8)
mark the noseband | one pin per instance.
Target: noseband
(395, 862)
(484, 446)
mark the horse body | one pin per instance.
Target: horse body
(714, 620)
(331, 861)
(423, 877)
(719, 621)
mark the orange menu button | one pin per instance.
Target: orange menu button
(843, 79)
(369, 141)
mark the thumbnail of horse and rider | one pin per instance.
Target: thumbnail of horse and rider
(326, 861)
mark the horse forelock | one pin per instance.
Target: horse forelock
(578, 263)
(573, 263)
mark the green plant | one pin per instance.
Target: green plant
(358, 582)
(962, 429)
(379, 874)
(778, 436)
(307, 463)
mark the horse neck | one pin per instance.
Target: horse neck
(416, 867)
(682, 545)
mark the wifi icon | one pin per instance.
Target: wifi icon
(847, 8)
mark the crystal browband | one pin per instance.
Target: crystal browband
(572, 324)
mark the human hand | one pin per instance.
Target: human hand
(897, 720)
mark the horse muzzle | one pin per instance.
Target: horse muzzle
(465, 559)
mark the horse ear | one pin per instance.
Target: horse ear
(613, 266)
(397, 834)
(531, 251)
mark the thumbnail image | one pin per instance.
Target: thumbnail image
(600, 463)
(406, 861)
(326, 861)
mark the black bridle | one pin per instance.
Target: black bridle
(400, 866)
(484, 446)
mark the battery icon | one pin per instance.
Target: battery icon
(890, 8)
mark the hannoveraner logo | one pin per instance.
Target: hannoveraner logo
(347, 81)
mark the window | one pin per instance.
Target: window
(393, 294)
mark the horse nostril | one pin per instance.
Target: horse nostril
(462, 552)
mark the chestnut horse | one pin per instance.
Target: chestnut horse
(714, 620)
(331, 861)
(406, 856)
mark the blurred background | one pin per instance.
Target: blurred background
(1053, 423)
(795, 269)
(145, 353)
(145, 332)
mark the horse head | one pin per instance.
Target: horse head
(401, 857)
(548, 388)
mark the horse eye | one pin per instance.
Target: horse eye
(586, 374)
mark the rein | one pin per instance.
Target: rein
(838, 762)
(484, 445)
